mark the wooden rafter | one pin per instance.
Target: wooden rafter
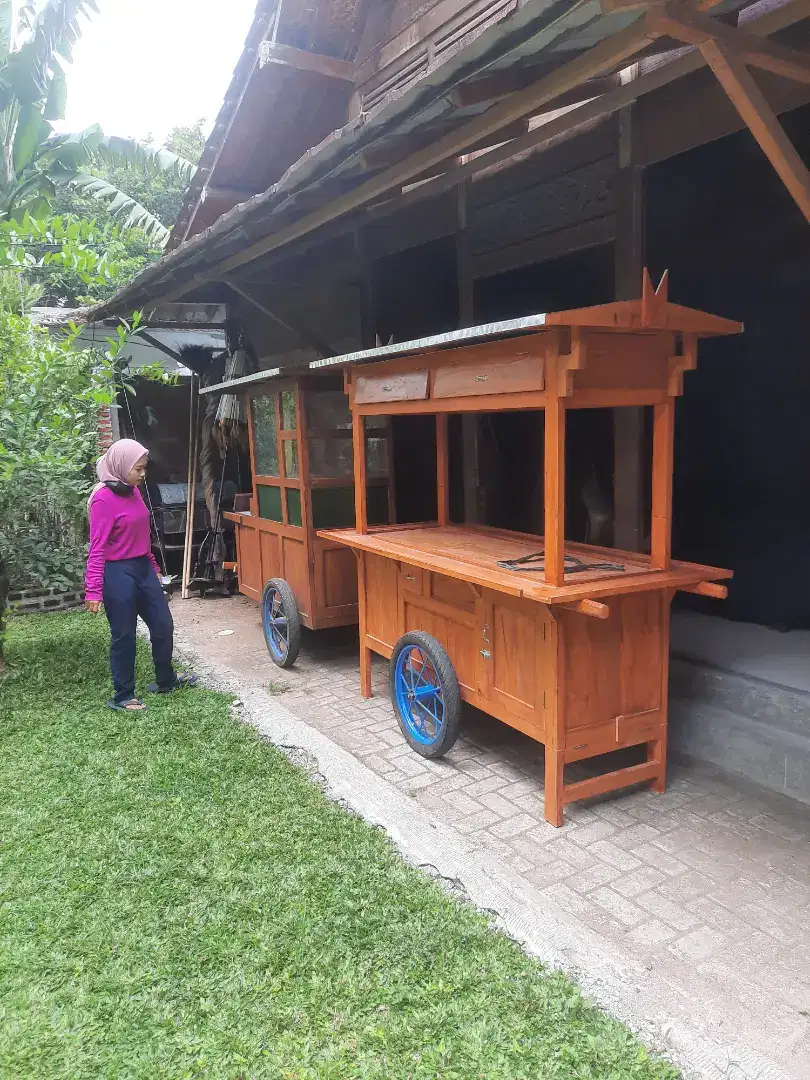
(304, 335)
(602, 58)
(597, 62)
(750, 103)
(274, 53)
(219, 193)
(682, 22)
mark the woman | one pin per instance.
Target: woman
(122, 572)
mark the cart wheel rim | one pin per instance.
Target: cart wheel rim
(419, 694)
(276, 627)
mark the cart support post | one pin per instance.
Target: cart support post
(359, 445)
(365, 652)
(442, 485)
(663, 453)
(554, 491)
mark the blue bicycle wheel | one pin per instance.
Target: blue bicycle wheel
(425, 694)
(281, 623)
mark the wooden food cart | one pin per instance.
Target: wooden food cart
(568, 643)
(301, 452)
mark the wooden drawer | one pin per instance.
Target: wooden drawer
(409, 386)
(411, 579)
(459, 378)
(638, 727)
(622, 731)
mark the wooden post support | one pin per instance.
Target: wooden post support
(442, 476)
(554, 491)
(359, 447)
(628, 423)
(466, 317)
(663, 460)
(365, 651)
(750, 103)
(191, 490)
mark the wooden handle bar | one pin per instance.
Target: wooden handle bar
(706, 588)
(589, 607)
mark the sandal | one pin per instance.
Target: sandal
(180, 683)
(133, 705)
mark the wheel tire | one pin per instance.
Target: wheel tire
(283, 635)
(431, 728)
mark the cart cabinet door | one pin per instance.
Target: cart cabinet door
(518, 660)
(249, 561)
(613, 675)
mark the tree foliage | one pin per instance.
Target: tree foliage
(189, 142)
(37, 164)
(74, 261)
(161, 192)
(50, 397)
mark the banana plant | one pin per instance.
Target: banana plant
(35, 160)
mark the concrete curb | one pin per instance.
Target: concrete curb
(660, 1014)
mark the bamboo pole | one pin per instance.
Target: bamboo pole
(191, 487)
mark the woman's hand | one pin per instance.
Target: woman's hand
(93, 605)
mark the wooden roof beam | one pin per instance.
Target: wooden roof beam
(599, 60)
(609, 6)
(750, 103)
(680, 21)
(503, 83)
(272, 52)
(221, 193)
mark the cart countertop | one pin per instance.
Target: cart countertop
(472, 553)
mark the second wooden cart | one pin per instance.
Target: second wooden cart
(301, 456)
(568, 643)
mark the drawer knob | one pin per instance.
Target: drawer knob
(410, 577)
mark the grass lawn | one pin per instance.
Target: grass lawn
(178, 901)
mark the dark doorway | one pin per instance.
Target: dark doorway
(736, 244)
(576, 280)
(416, 291)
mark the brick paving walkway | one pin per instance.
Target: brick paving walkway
(709, 884)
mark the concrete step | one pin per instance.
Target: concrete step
(754, 729)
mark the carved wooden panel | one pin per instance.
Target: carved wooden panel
(581, 195)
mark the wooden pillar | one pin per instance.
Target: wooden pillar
(463, 260)
(365, 651)
(442, 478)
(466, 317)
(367, 320)
(359, 447)
(628, 423)
(663, 460)
(554, 491)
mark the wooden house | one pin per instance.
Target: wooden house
(401, 170)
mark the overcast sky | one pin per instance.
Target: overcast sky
(145, 66)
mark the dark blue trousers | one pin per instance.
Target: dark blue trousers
(131, 588)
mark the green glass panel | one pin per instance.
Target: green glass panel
(333, 507)
(265, 445)
(288, 410)
(294, 506)
(291, 457)
(270, 502)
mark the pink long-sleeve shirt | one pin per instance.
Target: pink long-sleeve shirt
(119, 529)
